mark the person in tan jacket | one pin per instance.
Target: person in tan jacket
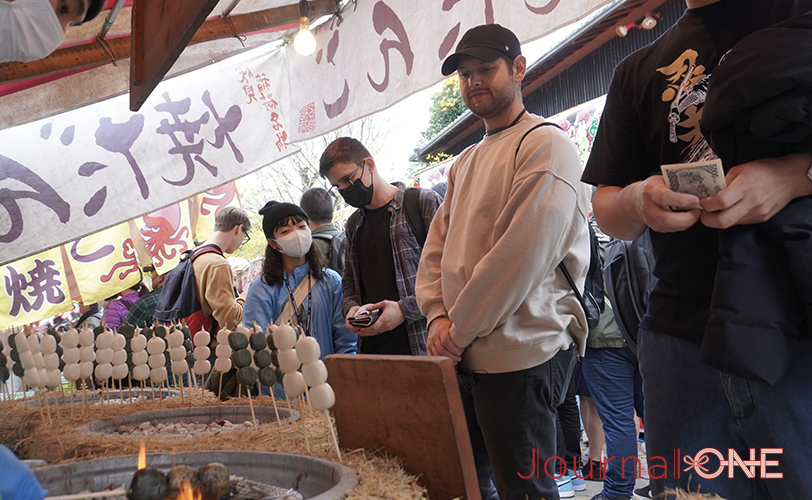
(214, 278)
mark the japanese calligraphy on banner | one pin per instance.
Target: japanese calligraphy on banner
(385, 50)
(73, 174)
(167, 233)
(209, 203)
(34, 288)
(104, 263)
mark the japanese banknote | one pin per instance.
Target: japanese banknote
(701, 179)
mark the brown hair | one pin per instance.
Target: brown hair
(342, 150)
(230, 217)
(272, 272)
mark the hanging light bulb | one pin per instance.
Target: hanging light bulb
(304, 42)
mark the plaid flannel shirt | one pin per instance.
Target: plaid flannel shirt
(143, 311)
(406, 252)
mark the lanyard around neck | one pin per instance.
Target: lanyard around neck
(303, 322)
(499, 129)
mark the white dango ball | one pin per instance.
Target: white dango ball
(71, 356)
(120, 371)
(308, 349)
(120, 357)
(284, 337)
(322, 397)
(156, 345)
(202, 352)
(27, 360)
(32, 378)
(175, 338)
(141, 372)
(71, 372)
(86, 337)
(294, 384)
(87, 354)
(39, 360)
(222, 365)
(288, 361)
(222, 336)
(48, 344)
(138, 343)
(104, 355)
(119, 342)
(70, 339)
(158, 374)
(223, 350)
(140, 358)
(314, 373)
(104, 340)
(54, 378)
(177, 353)
(201, 338)
(51, 361)
(104, 371)
(21, 343)
(180, 367)
(202, 367)
(33, 343)
(156, 360)
(85, 369)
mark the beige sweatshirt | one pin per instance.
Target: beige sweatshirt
(490, 260)
(214, 280)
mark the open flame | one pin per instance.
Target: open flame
(142, 456)
(187, 492)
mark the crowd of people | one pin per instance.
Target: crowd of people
(479, 275)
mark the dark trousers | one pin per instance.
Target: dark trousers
(511, 422)
(568, 425)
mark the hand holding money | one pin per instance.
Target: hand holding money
(701, 179)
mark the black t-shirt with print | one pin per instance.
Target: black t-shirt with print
(376, 265)
(651, 117)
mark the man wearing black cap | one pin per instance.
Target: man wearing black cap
(32, 29)
(496, 304)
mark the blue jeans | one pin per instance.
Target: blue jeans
(614, 381)
(691, 406)
(511, 423)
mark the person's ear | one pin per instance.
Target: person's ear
(273, 244)
(519, 68)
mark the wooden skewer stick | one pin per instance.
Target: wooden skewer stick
(275, 410)
(302, 420)
(47, 408)
(84, 496)
(72, 392)
(220, 389)
(332, 432)
(39, 405)
(251, 404)
(290, 409)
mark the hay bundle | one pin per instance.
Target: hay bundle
(23, 430)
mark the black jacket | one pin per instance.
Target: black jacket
(759, 105)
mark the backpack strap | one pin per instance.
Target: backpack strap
(288, 312)
(543, 124)
(411, 203)
(207, 248)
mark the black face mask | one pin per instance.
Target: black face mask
(357, 195)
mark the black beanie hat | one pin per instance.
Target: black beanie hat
(274, 212)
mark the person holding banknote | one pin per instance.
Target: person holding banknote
(652, 118)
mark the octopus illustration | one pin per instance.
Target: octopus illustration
(219, 198)
(128, 266)
(162, 232)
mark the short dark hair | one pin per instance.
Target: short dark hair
(342, 150)
(317, 204)
(230, 217)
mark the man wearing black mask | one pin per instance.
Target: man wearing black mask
(384, 243)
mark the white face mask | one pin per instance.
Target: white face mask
(296, 243)
(30, 30)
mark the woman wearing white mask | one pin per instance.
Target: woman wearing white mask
(296, 272)
(32, 29)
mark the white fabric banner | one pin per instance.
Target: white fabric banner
(386, 50)
(76, 173)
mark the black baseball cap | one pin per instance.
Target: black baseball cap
(487, 42)
(93, 9)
